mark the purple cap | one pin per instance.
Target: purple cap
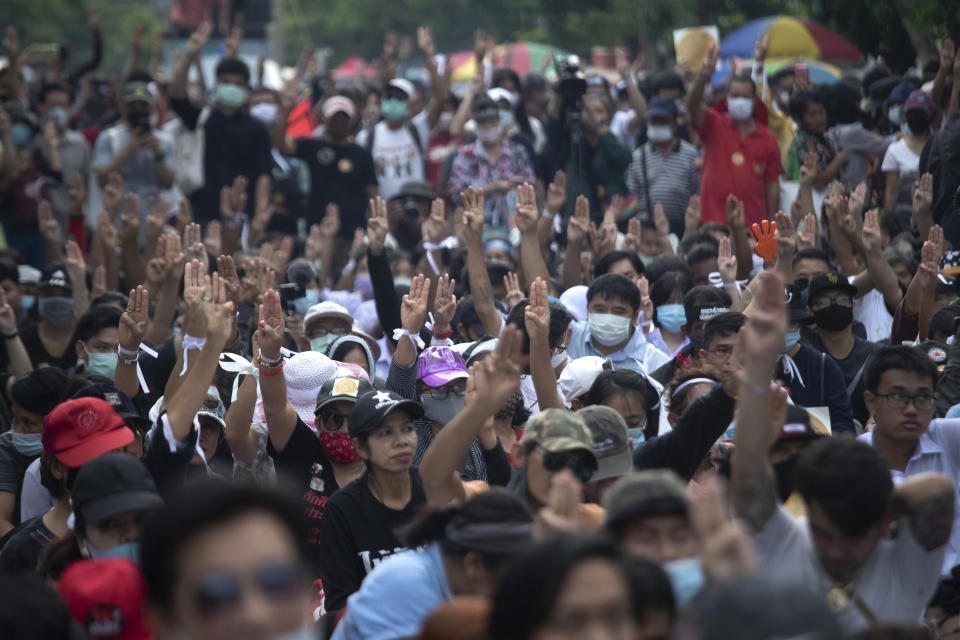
(439, 365)
(920, 101)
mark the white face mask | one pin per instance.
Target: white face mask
(608, 329)
(265, 112)
(445, 120)
(559, 359)
(740, 108)
(659, 133)
(784, 99)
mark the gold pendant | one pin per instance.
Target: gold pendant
(837, 599)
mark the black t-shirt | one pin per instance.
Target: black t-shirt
(30, 337)
(22, 550)
(358, 532)
(13, 465)
(340, 174)
(850, 366)
(306, 469)
(234, 145)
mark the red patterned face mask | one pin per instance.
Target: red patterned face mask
(338, 447)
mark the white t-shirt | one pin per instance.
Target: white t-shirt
(899, 157)
(396, 157)
(871, 311)
(896, 582)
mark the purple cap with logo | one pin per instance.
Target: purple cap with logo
(439, 365)
(920, 101)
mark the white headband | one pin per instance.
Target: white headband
(687, 383)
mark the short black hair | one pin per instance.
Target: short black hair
(799, 102)
(527, 593)
(29, 608)
(138, 75)
(612, 286)
(697, 238)
(702, 296)
(666, 285)
(668, 80)
(109, 297)
(208, 504)
(848, 480)
(41, 390)
(665, 264)
(9, 271)
(97, 319)
(722, 325)
(233, 66)
(942, 320)
(466, 314)
(621, 381)
(53, 87)
(899, 357)
(812, 253)
(602, 266)
(702, 254)
(786, 72)
(743, 75)
(559, 321)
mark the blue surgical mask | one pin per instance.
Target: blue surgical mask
(791, 339)
(645, 259)
(686, 578)
(230, 95)
(27, 302)
(28, 444)
(320, 344)
(393, 110)
(506, 119)
(893, 114)
(310, 298)
(126, 551)
(21, 134)
(671, 317)
(103, 364)
(636, 435)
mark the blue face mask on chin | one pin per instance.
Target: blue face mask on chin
(126, 551)
(791, 339)
(27, 444)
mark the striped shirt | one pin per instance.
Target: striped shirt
(672, 178)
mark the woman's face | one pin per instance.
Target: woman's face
(112, 532)
(358, 357)
(815, 118)
(594, 602)
(624, 268)
(391, 447)
(630, 405)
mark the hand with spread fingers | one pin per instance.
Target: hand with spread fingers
(444, 304)
(133, 322)
(765, 234)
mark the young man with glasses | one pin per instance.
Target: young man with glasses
(901, 385)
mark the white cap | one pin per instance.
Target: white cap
(327, 309)
(575, 300)
(499, 93)
(28, 274)
(305, 373)
(579, 375)
(404, 85)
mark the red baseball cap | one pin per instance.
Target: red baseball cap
(106, 597)
(81, 429)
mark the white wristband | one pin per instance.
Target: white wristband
(414, 337)
(190, 343)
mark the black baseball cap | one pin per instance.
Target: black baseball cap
(55, 275)
(661, 107)
(795, 311)
(111, 484)
(342, 389)
(117, 399)
(371, 409)
(829, 280)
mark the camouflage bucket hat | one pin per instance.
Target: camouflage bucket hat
(558, 431)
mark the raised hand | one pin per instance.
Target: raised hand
(872, 238)
(76, 265)
(330, 225)
(786, 234)
(49, 227)
(156, 268)
(930, 254)
(194, 291)
(233, 202)
(807, 239)
(193, 247)
(497, 378)
(213, 238)
(197, 41)
(761, 339)
(710, 61)
(174, 258)
(537, 314)
(764, 233)
(646, 304)
(606, 237)
(229, 279)
(473, 213)
(444, 304)
(557, 192)
(691, 217)
(434, 228)
(760, 52)
(113, 193)
(413, 309)
(184, 215)
(425, 42)
(561, 513)
(857, 200)
(735, 215)
(255, 281)
(946, 57)
(632, 239)
(578, 226)
(219, 311)
(156, 217)
(133, 322)
(526, 212)
(8, 317)
(107, 232)
(727, 262)
(512, 285)
(923, 196)
(809, 168)
(660, 221)
(377, 225)
(231, 45)
(130, 218)
(99, 281)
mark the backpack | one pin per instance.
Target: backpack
(414, 133)
(191, 144)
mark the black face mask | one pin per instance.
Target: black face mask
(784, 473)
(834, 318)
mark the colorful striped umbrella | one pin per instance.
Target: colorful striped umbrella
(820, 72)
(790, 38)
(522, 57)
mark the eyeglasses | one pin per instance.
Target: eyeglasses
(900, 400)
(319, 332)
(332, 421)
(722, 352)
(824, 301)
(557, 350)
(578, 465)
(219, 593)
(440, 393)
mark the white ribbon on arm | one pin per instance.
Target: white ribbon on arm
(414, 337)
(235, 363)
(131, 354)
(190, 343)
(450, 242)
(791, 368)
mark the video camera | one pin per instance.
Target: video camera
(572, 84)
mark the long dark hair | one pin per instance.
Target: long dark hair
(519, 109)
(622, 381)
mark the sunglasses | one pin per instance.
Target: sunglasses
(580, 467)
(219, 593)
(332, 421)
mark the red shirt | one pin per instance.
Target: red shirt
(736, 164)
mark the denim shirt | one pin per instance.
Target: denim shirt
(638, 355)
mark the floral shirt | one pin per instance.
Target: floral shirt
(473, 168)
(798, 152)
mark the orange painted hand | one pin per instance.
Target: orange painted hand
(766, 247)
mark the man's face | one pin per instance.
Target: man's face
(903, 274)
(815, 117)
(739, 89)
(809, 267)
(840, 555)
(721, 354)
(624, 268)
(594, 114)
(614, 306)
(903, 424)
(210, 433)
(321, 327)
(26, 421)
(103, 341)
(12, 292)
(240, 579)
(338, 125)
(53, 100)
(701, 271)
(663, 537)
(539, 478)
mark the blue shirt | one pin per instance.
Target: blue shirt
(396, 597)
(638, 355)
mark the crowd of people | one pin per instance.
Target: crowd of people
(567, 358)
